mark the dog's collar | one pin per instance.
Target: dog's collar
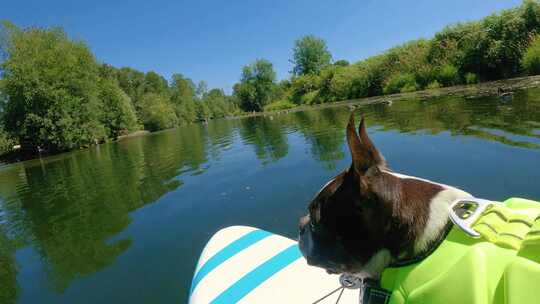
(408, 260)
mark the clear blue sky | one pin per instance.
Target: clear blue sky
(211, 40)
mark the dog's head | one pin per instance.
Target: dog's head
(366, 214)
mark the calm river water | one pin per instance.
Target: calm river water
(125, 222)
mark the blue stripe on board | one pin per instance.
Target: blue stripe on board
(257, 276)
(224, 254)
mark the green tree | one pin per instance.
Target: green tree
(157, 113)
(217, 103)
(202, 89)
(303, 85)
(118, 114)
(202, 110)
(131, 81)
(183, 95)
(342, 63)
(257, 85)
(310, 55)
(6, 142)
(155, 83)
(531, 58)
(52, 84)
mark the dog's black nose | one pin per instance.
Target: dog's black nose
(304, 221)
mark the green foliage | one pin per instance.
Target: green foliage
(52, 84)
(531, 58)
(400, 83)
(310, 98)
(6, 142)
(409, 87)
(202, 110)
(217, 103)
(202, 89)
(310, 55)
(256, 86)
(118, 114)
(433, 85)
(471, 78)
(183, 98)
(279, 105)
(303, 85)
(55, 95)
(156, 113)
(342, 63)
(447, 75)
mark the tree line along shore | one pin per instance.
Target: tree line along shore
(56, 96)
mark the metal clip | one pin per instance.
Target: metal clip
(465, 212)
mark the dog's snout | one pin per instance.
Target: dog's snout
(304, 221)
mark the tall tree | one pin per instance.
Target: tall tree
(310, 55)
(52, 84)
(202, 89)
(183, 98)
(256, 86)
(157, 113)
(117, 112)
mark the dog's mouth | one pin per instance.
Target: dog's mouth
(335, 268)
(332, 271)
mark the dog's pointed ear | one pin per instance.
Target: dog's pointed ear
(358, 154)
(374, 155)
(363, 151)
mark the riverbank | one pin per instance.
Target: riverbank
(17, 155)
(483, 89)
(466, 91)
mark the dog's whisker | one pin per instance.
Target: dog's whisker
(329, 294)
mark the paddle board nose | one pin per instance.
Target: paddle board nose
(242, 264)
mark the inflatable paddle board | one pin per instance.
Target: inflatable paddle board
(247, 265)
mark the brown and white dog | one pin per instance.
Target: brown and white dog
(369, 217)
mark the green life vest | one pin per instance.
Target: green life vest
(502, 266)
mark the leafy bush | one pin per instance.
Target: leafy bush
(447, 75)
(157, 113)
(531, 58)
(347, 83)
(279, 105)
(434, 85)
(6, 142)
(310, 98)
(409, 88)
(303, 85)
(118, 114)
(400, 83)
(471, 78)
